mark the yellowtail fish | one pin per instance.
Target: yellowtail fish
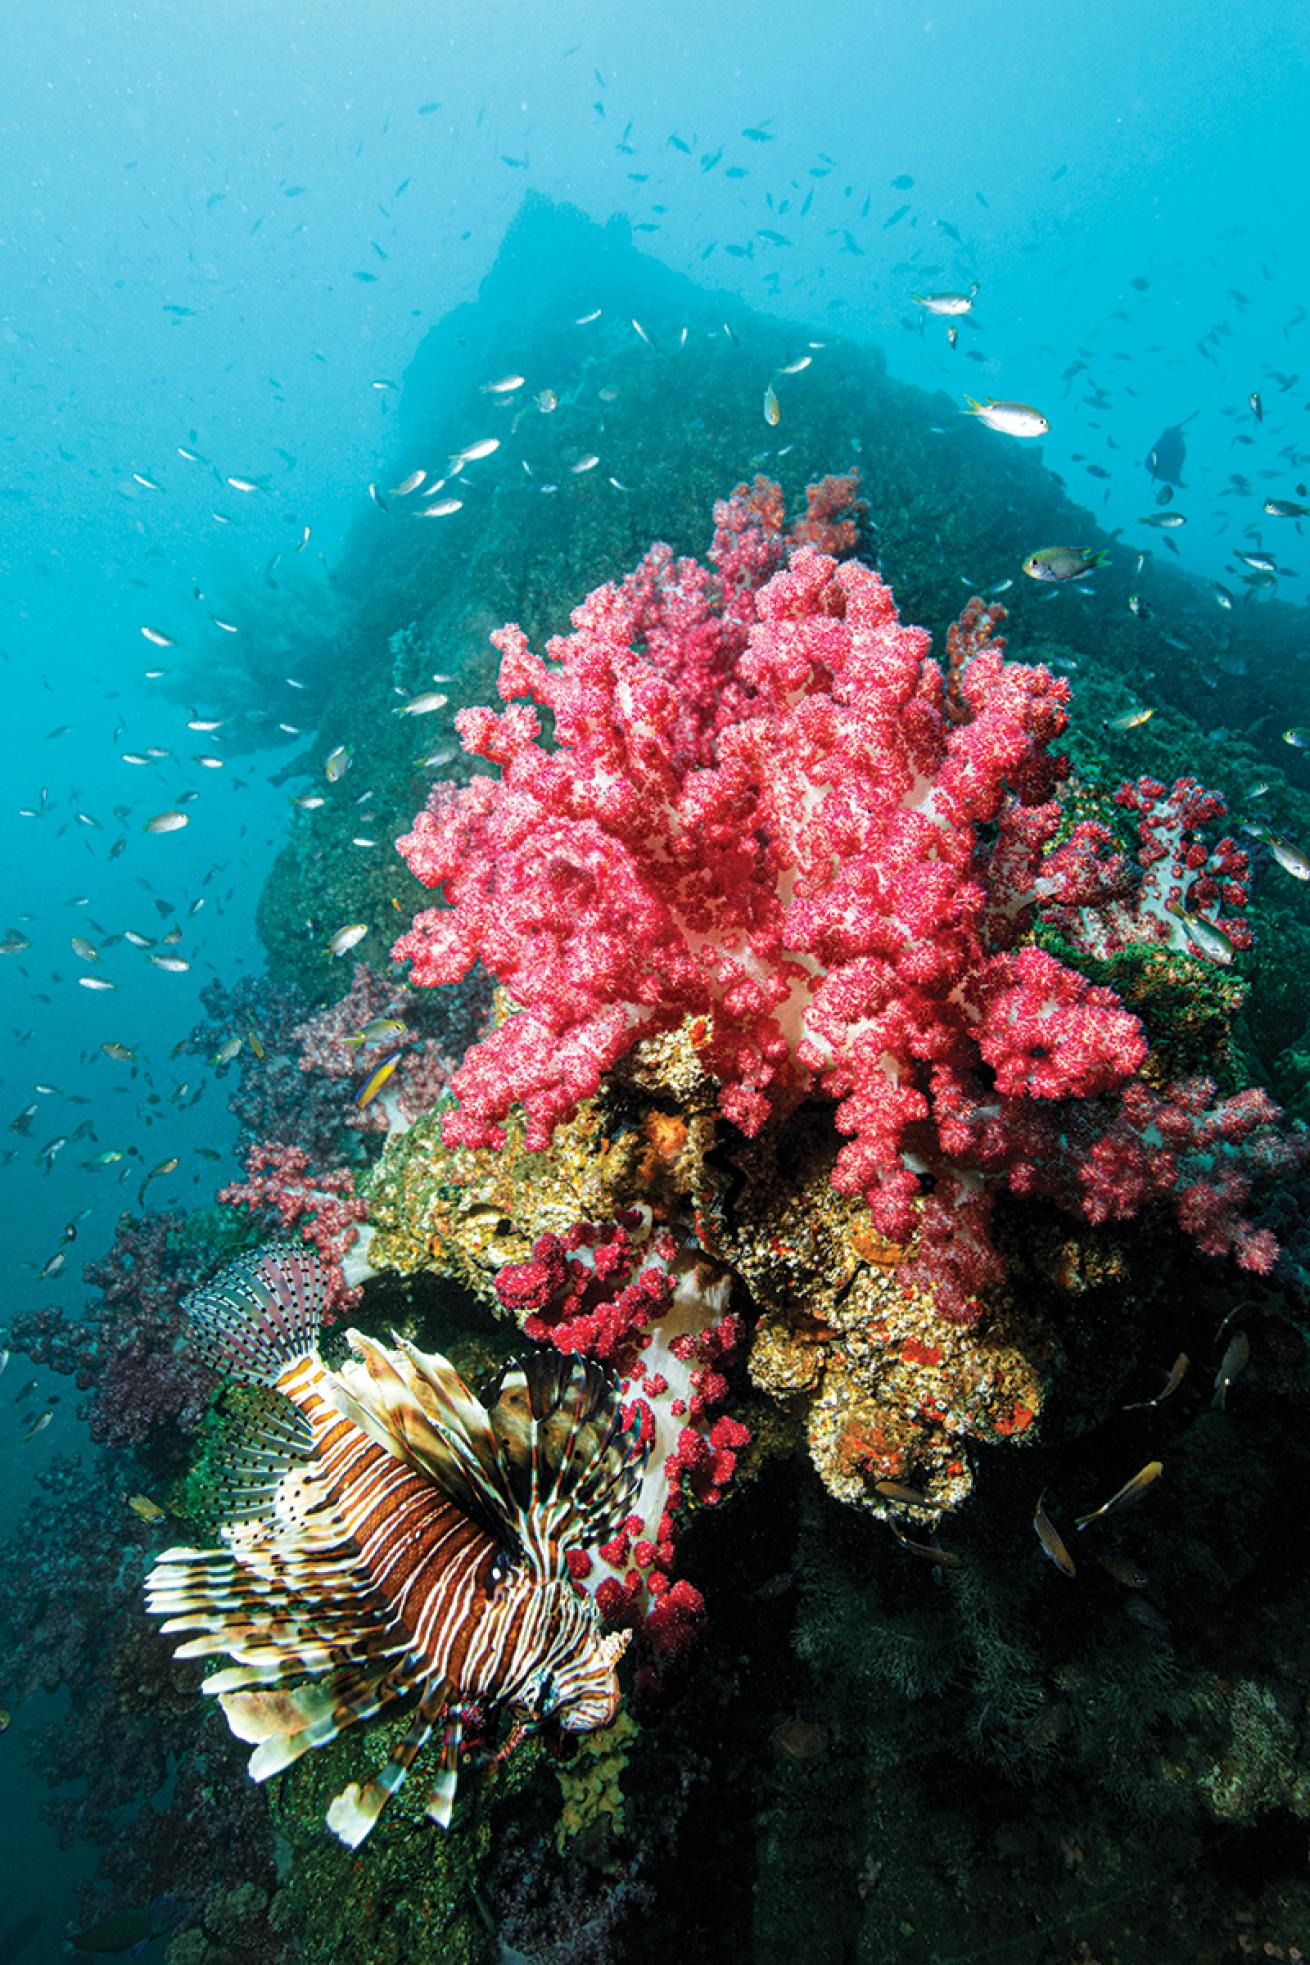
(243, 484)
(1060, 563)
(504, 385)
(119, 1053)
(585, 320)
(146, 483)
(38, 1425)
(84, 950)
(772, 407)
(205, 723)
(798, 367)
(228, 627)
(1054, 1547)
(547, 401)
(1131, 1492)
(431, 699)
(347, 938)
(372, 1033)
(1232, 1365)
(172, 965)
(309, 801)
(642, 334)
(1140, 607)
(1298, 737)
(1164, 521)
(96, 982)
(148, 1510)
(305, 538)
(443, 509)
(458, 1593)
(109, 1158)
(159, 638)
(336, 764)
(207, 760)
(226, 1051)
(1011, 419)
(378, 1078)
(1130, 720)
(406, 485)
(166, 822)
(587, 463)
(14, 943)
(1177, 1373)
(1286, 508)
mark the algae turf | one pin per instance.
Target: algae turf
(411, 1896)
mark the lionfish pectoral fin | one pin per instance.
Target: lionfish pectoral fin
(262, 1439)
(441, 1802)
(356, 1809)
(340, 1703)
(262, 1313)
(417, 1405)
(572, 1459)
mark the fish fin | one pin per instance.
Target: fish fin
(441, 1801)
(572, 1459)
(262, 1313)
(416, 1405)
(261, 1439)
(355, 1810)
(975, 407)
(353, 1698)
(1096, 559)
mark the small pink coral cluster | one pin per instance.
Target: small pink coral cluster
(657, 1316)
(323, 1206)
(761, 819)
(1104, 903)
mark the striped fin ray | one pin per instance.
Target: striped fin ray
(573, 1461)
(287, 1725)
(261, 1313)
(263, 1439)
(416, 1405)
(441, 1802)
(356, 1809)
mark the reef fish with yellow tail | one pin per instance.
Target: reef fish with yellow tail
(394, 1541)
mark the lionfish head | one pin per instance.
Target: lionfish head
(589, 1696)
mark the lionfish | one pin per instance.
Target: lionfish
(393, 1543)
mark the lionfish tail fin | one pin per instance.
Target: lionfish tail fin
(574, 1459)
(262, 1313)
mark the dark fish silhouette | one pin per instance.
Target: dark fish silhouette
(1165, 458)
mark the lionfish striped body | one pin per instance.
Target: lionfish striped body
(392, 1541)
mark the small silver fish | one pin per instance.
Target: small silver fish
(431, 699)
(772, 407)
(159, 638)
(504, 385)
(441, 510)
(166, 822)
(1010, 419)
(336, 764)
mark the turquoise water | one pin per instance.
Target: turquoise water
(259, 270)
